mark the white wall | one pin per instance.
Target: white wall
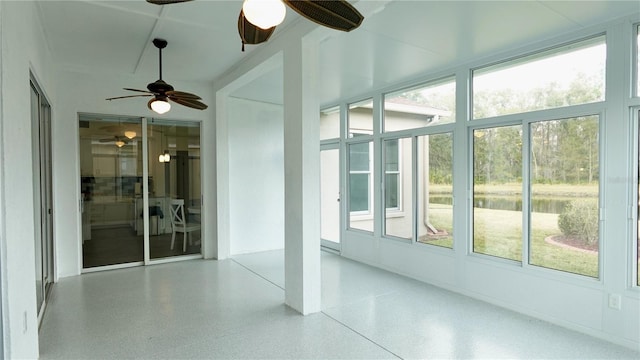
(85, 92)
(256, 167)
(23, 49)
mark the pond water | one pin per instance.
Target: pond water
(514, 203)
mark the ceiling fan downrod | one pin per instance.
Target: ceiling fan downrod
(160, 44)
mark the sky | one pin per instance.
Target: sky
(562, 68)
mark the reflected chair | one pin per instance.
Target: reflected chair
(179, 223)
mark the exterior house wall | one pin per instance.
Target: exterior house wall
(397, 221)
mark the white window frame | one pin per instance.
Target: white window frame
(362, 214)
(397, 210)
(634, 201)
(530, 58)
(635, 68)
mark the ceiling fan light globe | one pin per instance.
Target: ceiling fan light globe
(119, 143)
(130, 134)
(160, 106)
(264, 14)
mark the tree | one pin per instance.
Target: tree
(564, 150)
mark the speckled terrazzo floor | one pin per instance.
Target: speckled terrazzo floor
(233, 309)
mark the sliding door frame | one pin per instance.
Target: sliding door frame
(147, 260)
(43, 193)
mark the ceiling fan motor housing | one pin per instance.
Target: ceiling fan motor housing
(159, 87)
(160, 43)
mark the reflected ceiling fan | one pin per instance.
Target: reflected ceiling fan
(163, 92)
(128, 131)
(258, 18)
(119, 141)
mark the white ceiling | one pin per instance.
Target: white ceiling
(400, 41)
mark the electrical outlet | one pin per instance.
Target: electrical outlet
(615, 301)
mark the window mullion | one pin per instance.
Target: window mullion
(378, 169)
(414, 188)
(526, 193)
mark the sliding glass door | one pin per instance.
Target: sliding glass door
(127, 201)
(111, 185)
(42, 193)
(174, 188)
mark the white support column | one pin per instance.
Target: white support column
(222, 244)
(302, 177)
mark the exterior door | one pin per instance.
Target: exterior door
(330, 196)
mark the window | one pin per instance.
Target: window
(392, 175)
(435, 189)
(422, 106)
(360, 186)
(570, 75)
(361, 118)
(564, 215)
(398, 155)
(497, 192)
(330, 123)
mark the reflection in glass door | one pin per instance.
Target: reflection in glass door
(111, 179)
(174, 188)
(127, 220)
(330, 197)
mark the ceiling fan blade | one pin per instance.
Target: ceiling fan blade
(183, 95)
(251, 34)
(128, 96)
(335, 14)
(195, 104)
(166, 2)
(144, 91)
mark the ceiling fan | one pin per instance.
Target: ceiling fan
(162, 92)
(258, 18)
(119, 141)
(130, 132)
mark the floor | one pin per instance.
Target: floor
(120, 245)
(233, 309)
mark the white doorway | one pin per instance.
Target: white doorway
(330, 196)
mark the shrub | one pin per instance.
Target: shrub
(580, 218)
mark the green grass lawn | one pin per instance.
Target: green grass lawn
(499, 233)
(440, 217)
(556, 190)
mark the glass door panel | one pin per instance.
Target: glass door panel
(330, 198)
(37, 195)
(111, 179)
(42, 194)
(174, 188)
